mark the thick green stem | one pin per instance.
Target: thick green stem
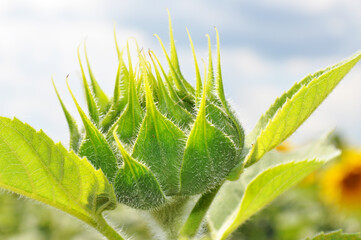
(103, 227)
(171, 217)
(190, 228)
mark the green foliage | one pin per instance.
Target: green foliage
(238, 201)
(32, 165)
(163, 146)
(294, 107)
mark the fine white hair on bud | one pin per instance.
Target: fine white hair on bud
(158, 136)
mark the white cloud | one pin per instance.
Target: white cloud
(43, 42)
(305, 5)
(31, 51)
(315, 6)
(51, 7)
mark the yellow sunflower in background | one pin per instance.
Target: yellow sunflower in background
(284, 147)
(341, 182)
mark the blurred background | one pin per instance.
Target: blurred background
(266, 46)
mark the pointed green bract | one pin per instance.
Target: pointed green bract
(122, 78)
(129, 121)
(221, 95)
(294, 110)
(31, 164)
(120, 97)
(75, 136)
(198, 75)
(173, 50)
(219, 81)
(185, 93)
(168, 107)
(135, 185)
(174, 58)
(170, 86)
(336, 235)
(211, 89)
(141, 89)
(173, 73)
(222, 121)
(120, 89)
(263, 182)
(208, 157)
(119, 53)
(160, 144)
(95, 147)
(210, 74)
(154, 85)
(92, 106)
(235, 129)
(100, 96)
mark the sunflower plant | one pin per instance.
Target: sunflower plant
(340, 183)
(174, 153)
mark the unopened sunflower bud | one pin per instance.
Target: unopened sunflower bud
(159, 136)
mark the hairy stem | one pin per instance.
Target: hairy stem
(103, 227)
(171, 217)
(191, 226)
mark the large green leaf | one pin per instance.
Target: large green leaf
(293, 108)
(263, 182)
(31, 164)
(336, 235)
(265, 188)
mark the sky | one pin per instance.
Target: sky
(266, 46)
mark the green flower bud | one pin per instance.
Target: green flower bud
(159, 136)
